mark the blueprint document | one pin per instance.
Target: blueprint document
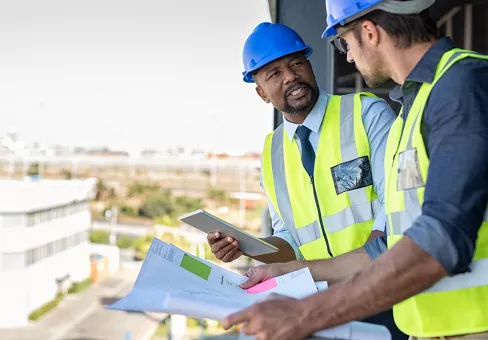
(175, 282)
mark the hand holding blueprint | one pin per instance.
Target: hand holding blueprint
(175, 282)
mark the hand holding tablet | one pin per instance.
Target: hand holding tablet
(219, 233)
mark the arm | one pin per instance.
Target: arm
(377, 119)
(288, 249)
(281, 239)
(284, 254)
(402, 272)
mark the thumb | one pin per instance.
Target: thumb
(255, 276)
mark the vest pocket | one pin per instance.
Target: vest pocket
(352, 175)
(409, 176)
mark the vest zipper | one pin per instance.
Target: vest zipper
(320, 216)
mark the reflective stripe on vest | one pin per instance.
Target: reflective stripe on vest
(361, 209)
(457, 304)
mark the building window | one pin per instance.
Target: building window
(47, 250)
(45, 216)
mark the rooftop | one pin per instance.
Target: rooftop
(23, 196)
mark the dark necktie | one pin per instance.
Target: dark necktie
(308, 155)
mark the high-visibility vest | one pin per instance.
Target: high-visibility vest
(333, 212)
(457, 304)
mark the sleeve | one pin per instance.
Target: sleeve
(380, 221)
(456, 192)
(378, 117)
(376, 247)
(279, 228)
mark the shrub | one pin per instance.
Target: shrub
(157, 204)
(45, 308)
(78, 287)
(186, 204)
(124, 242)
(129, 211)
(136, 189)
(100, 237)
(218, 195)
(167, 221)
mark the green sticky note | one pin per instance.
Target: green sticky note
(196, 267)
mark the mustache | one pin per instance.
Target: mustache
(295, 87)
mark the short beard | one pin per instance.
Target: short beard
(301, 108)
(375, 81)
(376, 76)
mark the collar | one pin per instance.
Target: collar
(424, 71)
(314, 118)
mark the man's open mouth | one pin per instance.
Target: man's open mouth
(297, 91)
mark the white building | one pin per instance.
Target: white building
(44, 239)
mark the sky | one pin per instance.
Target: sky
(130, 74)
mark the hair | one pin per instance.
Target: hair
(405, 29)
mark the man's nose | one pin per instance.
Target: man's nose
(349, 57)
(289, 76)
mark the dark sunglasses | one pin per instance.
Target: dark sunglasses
(339, 43)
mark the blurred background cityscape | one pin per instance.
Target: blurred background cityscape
(116, 118)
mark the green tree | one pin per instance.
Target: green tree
(186, 204)
(66, 174)
(129, 211)
(157, 204)
(101, 190)
(112, 193)
(33, 169)
(137, 189)
(218, 195)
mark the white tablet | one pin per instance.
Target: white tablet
(208, 223)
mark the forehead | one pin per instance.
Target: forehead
(283, 61)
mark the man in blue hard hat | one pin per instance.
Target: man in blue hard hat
(322, 169)
(433, 265)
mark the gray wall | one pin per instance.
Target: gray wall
(337, 76)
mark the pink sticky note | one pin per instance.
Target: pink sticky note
(262, 287)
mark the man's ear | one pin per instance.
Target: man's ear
(260, 92)
(371, 32)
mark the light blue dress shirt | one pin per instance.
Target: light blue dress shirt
(377, 118)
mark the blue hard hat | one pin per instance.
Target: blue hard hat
(269, 42)
(340, 12)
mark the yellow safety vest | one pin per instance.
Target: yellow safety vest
(332, 213)
(457, 304)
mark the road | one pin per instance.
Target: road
(111, 325)
(192, 235)
(83, 317)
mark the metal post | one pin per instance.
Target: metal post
(11, 163)
(42, 164)
(242, 201)
(449, 27)
(113, 225)
(167, 321)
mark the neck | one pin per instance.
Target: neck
(296, 118)
(403, 61)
